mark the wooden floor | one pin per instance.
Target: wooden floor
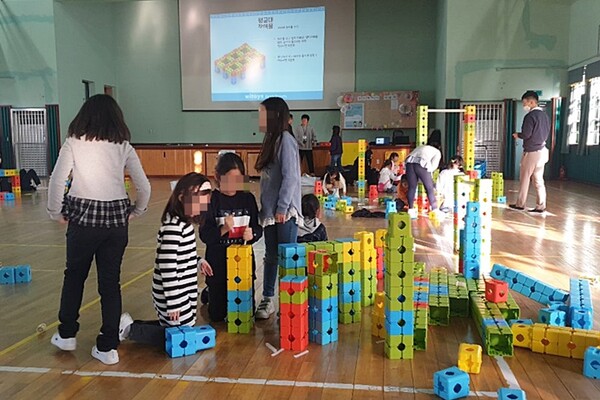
(565, 242)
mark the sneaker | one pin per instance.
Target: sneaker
(537, 210)
(516, 207)
(68, 344)
(125, 326)
(204, 296)
(413, 213)
(106, 357)
(265, 308)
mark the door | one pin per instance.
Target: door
(30, 139)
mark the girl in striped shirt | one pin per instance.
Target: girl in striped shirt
(175, 279)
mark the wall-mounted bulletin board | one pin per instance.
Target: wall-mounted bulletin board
(379, 110)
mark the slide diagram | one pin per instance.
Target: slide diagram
(234, 64)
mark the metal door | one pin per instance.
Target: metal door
(30, 139)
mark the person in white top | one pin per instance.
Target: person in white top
(445, 183)
(334, 183)
(97, 153)
(386, 177)
(419, 164)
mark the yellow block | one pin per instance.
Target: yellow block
(552, 338)
(565, 343)
(380, 235)
(538, 336)
(378, 306)
(578, 343)
(366, 238)
(378, 326)
(469, 358)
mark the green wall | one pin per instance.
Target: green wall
(27, 53)
(499, 49)
(85, 50)
(148, 71)
(583, 49)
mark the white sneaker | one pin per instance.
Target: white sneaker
(125, 326)
(106, 357)
(265, 308)
(413, 213)
(68, 344)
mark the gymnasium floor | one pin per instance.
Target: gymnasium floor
(564, 242)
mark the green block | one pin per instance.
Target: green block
(421, 317)
(239, 322)
(459, 306)
(347, 308)
(400, 278)
(368, 299)
(350, 318)
(420, 338)
(399, 347)
(439, 314)
(294, 298)
(419, 268)
(402, 302)
(499, 342)
(399, 224)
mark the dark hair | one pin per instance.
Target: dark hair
(183, 188)
(291, 116)
(435, 139)
(100, 118)
(335, 130)
(394, 154)
(330, 172)
(278, 116)
(455, 160)
(387, 163)
(530, 94)
(404, 178)
(228, 161)
(305, 116)
(310, 206)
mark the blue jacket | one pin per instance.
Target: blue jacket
(280, 191)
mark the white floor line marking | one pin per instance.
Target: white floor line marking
(305, 352)
(278, 352)
(509, 376)
(232, 381)
(271, 347)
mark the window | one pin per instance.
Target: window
(577, 92)
(593, 133)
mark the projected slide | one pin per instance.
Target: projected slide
(258, 54)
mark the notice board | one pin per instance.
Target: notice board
(379, 110)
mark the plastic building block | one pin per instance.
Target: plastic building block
(552, 317)
(205, 337)
(451, 383)
(591, 363)
(180, 341)
(7, 275)
(521, 330)
(22, 274)
(469, 358)
(511, 394)
(496, 291)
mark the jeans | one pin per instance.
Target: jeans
(107, 246)
(148, 332)
(274, 236)
(336, 162)
(414, 173)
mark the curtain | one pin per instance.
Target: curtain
(510, 128)
(6, 147)
(453, 121)
(582, 147)
(53, 129)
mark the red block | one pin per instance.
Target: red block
(472, 174)
(296, 285)
(293, 326)
(421, 304)
(318, 188)
(16, 180)
(496, 291)
(311, 262)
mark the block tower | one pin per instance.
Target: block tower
(362, 164)
(399, 288)
(293, 302)
(319, 189)
(421, 201)
(380, 235)
(291, 259)
(368, 267)
(498, 188)
(350, 286)
(240, 293)
(469, 260)
(15, 181)
(322, 297)
(469, 138)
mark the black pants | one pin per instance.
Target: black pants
(27, 177)
(414, 173)
(107, 246)
(148, 332)
(309, 160)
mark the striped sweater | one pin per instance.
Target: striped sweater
(175, 280)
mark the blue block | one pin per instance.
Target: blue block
(190, 337)
(581, 318)
(360, 184)
(318, 305)
(400, 323)
(537, 296)
(289, 250)
(7, 275)
(520, 322)
(591, 363)
(390, 207)
(206, 337)
(451, 383)
(329, 205)
(292, 263)
(559, 295)
(552, 317)
(501, 200)
(1, 172)
(9, 196)
(473, 208)
(22, 274)
(175, 342)
(498, 272)
(511, 394)
(471, 269)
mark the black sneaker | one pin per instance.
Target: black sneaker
(537, 210)
(204, 296)
(516, 207)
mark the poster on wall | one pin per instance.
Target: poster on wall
(354, 116)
